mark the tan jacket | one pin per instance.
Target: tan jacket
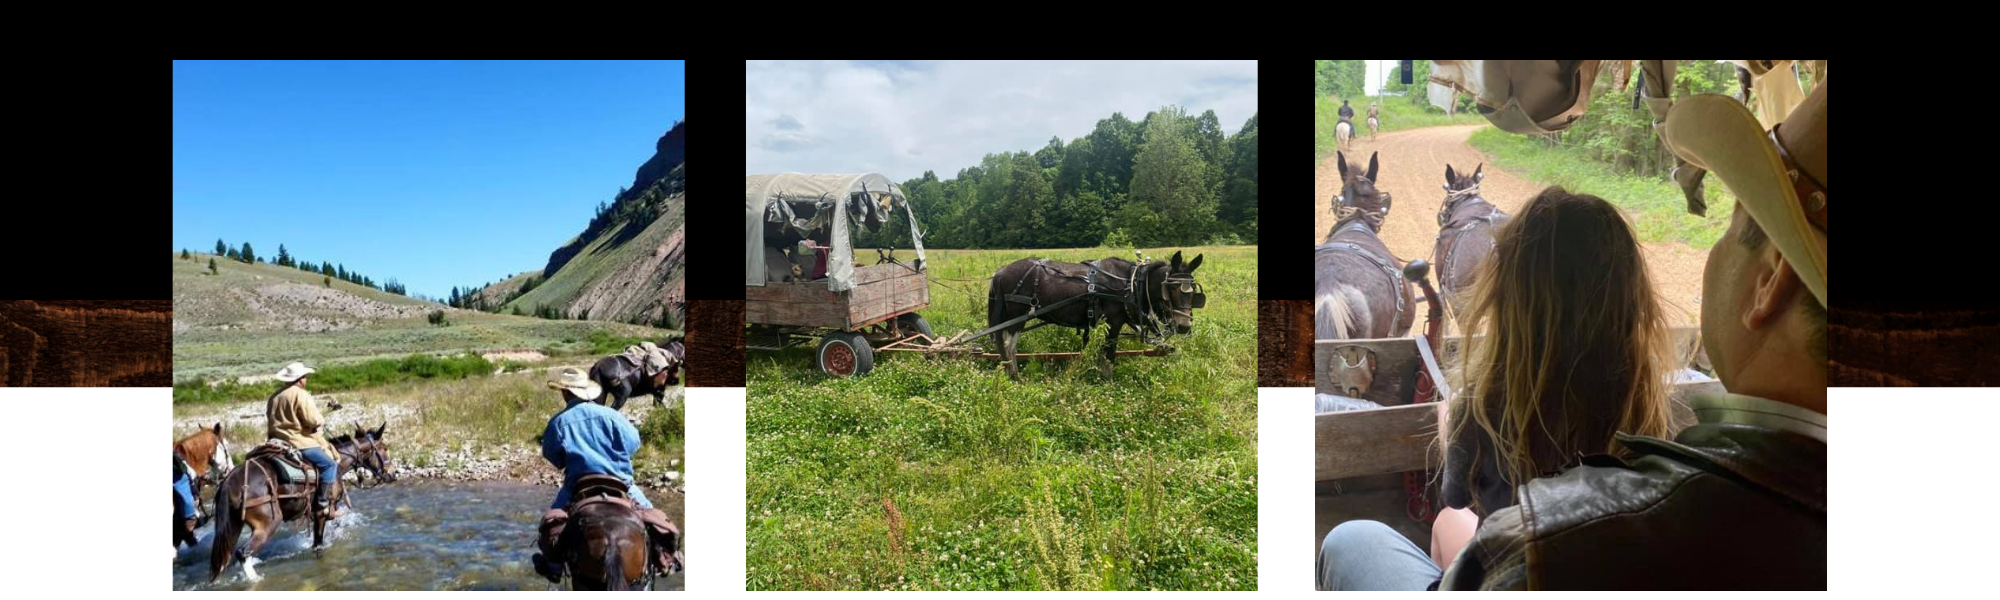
(294, 417)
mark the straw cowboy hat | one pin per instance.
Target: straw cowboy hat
(294, 371)
(1779, 176)
(576, 382)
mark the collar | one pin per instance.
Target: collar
(1751, 410)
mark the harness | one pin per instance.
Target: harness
(1096, 291)
(1395, 274)
(1451, 203)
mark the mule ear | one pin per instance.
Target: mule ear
(218, 428)
(1371, 166)
(1476, 176)
(1341, 159)
(378, 430)
(1176, 262)
(1193, 265)
(1449, 177)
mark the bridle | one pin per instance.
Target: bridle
(1453, 198)
(1347, 208)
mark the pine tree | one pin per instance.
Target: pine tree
(220, 248)
(185, 255)
(211, 267)
(249, 256)
(284, 259)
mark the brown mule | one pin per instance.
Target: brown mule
(205, 456)
(252, 495)
(602, 538)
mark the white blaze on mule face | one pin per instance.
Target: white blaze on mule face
(218, 462)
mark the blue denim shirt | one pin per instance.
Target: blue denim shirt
(588, 438)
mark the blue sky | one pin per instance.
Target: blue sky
(434, 173)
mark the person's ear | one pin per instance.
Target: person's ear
(1776, 290)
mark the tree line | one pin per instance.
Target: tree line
(1169, 179)
(328, 269)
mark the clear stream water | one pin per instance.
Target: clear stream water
(409, 535)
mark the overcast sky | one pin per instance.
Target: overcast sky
(900, 118)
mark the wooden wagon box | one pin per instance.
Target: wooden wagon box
(880, 293)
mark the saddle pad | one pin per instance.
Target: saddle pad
(287, 473)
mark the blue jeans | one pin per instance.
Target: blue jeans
(638, 496)
(329, 471)
(184, 494)
(1367, 555)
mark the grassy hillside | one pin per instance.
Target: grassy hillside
(252, 319)
(946, 474)
(603, 269)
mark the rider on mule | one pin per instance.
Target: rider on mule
(294, 418)
(588, 438)
(184, 503)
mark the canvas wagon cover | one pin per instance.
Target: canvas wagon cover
(761, 190)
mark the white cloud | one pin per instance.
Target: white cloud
(901, 118)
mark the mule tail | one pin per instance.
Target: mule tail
(1334, 318)
(228, 525)
(614, 565)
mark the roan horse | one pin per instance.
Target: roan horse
(205, 456)
(605, 540)
(1151, 298)
(622, 380)
(1360, 290)
(1467, 226)
(252, 494)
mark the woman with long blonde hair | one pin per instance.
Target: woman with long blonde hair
(1575, 349)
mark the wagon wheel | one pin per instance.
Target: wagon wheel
(915, 323)
(843, 354)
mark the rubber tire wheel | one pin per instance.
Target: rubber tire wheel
(915, 322)
(849, 355)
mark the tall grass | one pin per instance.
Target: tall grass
(1151, 474)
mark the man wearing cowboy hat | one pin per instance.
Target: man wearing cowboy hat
(293, 417)
(1737, 501)
(587, 438)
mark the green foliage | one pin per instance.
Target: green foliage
(185, 255)
(326, 281)
(220, 248)
(664, 427)
(335, 378)
(1173, 201)
(248, 255)
(1072, 195)
(436, 317)
(1340, 77)
(211, 267)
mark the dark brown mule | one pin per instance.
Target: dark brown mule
(1157, 300)
(605, 539)
(204, 455)
(253, 495)
(1467, 226)
(621, 380)
(1359, 287)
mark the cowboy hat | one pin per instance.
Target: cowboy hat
(294, 371)
(577, 383)
(1778, 176)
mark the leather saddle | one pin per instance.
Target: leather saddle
(595, 488)
(291, 468)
